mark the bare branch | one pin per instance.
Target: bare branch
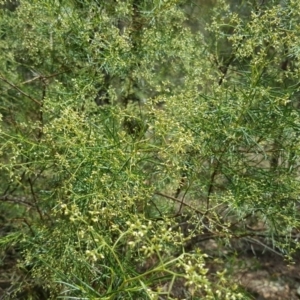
(19, 200)
(180, 201)
(42, 77)
(19, 90)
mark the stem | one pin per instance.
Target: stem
(19, 90)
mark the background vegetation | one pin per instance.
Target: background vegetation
(134, 131)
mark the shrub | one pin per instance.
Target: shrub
(131, 132)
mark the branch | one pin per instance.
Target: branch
(19, 200)
(180, 201)
(34, 198)
(19, 90)
(42, 77)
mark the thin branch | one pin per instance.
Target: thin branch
(224, 69)
(255, 241)
(32, 79)
(249, 236)
(35, 199)
(42, 77)
(19, 200)
(19, 90)
(211, 184)
(27, 223)
(180, 201)
(160, 213)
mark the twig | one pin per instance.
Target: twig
(19, 90)
(35, 199)
(160, 213)
(252, 240)
(180, 201)
(27, 223)
(42, 77)
(19, 200)
(211, 184)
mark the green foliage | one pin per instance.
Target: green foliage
(131, 131)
